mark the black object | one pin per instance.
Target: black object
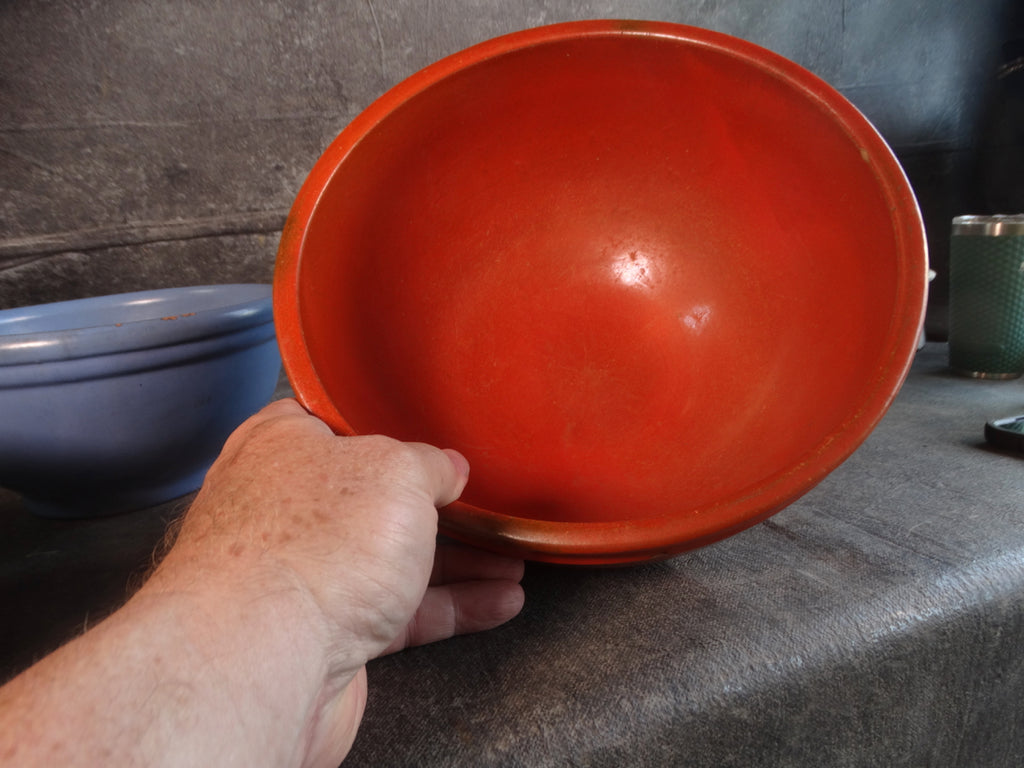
(1006, 433)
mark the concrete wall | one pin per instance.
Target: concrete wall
(146, 144)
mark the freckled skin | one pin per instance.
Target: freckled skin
(303, 556)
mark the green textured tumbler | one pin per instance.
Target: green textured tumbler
(986, 296)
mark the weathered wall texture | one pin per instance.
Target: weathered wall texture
(146, 144)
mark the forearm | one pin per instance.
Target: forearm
(303, 556)
(173, 678)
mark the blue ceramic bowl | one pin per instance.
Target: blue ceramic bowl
(121, 402)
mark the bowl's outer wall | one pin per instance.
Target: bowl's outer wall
(653, 281)
(110, 445)
(109, 433)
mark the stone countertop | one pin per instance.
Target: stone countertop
(876, 621)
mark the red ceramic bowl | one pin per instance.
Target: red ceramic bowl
(653, 281)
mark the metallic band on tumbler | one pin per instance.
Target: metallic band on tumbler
(986, 296)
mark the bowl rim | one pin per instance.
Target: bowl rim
(238, 306)
(654, 537)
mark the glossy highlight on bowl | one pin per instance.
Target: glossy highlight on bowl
(655, 283)
(115, 403)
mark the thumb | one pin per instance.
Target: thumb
(447, 473)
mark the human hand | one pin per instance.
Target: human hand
(346, 527)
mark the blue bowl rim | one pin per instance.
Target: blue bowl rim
(180, 315)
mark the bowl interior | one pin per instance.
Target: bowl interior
(652, 276)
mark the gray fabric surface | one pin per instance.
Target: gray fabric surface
(183, 130)
(876, 621)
